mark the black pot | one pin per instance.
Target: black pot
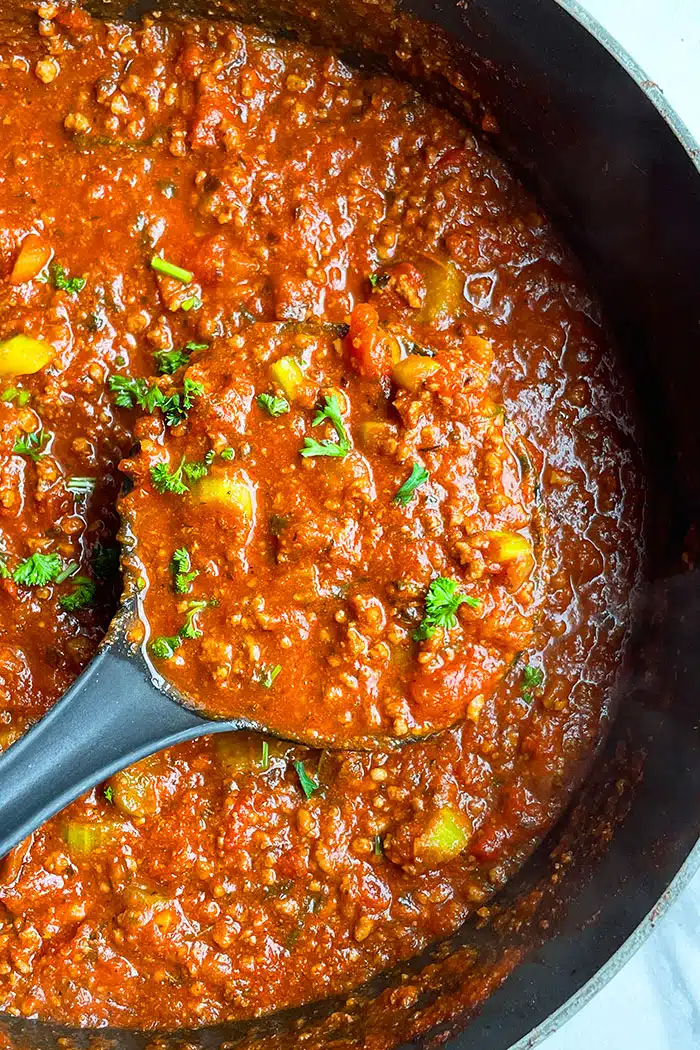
(618, 173)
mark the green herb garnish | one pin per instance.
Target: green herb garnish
(165, 480)
(176, 406)
(169, 361)
(83, 595)
(38, 570)
(109, 794)
(378, 846)
(418, 476)
(308, 784)
(131, 392)
(331, 412)
(164, 648)
(59, 278)
(4, 571)
(67, 571)
(265, 754)
(182, 572)
(30, 445)
(379, 280)
(171, 270)
(530, 680)
(227, 454)
(190, 629)
(15, 393)
(193, 303)
(274, 406)
(441, 604)
(266, 676)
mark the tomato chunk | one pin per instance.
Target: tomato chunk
(372, 351)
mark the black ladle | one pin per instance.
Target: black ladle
(114, 714)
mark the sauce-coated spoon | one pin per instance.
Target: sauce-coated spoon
(113, 715)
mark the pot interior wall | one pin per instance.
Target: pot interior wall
(620, 185)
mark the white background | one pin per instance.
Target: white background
(654, 1002)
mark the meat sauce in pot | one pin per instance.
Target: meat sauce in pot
(384, 478)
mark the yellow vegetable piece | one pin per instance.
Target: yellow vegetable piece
(373, 435)
(226, 489)
(447, 834)
(287, 373)
(413, 371)
(444, 291)
(512, 550)
(20, 355)
(33, 257)
(84, 838)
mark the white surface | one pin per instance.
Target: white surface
(654, 1002)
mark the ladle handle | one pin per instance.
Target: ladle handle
(112, 716)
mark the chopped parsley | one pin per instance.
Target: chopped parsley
(4, 571)
(341, 447)
(418, 476)
(531, 679)
(84, 594)
(169, 361)
(95, 322)
(59, 278)
(171, 270)
(131, 392)
(165, 647)
(81, 486)
(30, 445)
(274, 406)
(176, 407)
(308, 784)
(182, 572)
(227, 454)
(441, 604)
(38, 570)
(165, 480)
(109, 794)
(379, 280)
(266, 676)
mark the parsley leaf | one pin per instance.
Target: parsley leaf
(441, 604)
(164, 647)
(30, 445)
(83, 595)
(165, 480)
(131, 392)
(331, 412)
(38, 570)
(379, 280)
(109, 794)
(59, 278)
(275, 406)
(182, 572)
(419, 475)
(169, 361)
(176, 407)
(531, 679)
(308, 784)
(4, 571)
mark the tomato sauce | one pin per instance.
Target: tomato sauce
(412, 504)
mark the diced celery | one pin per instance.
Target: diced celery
(20, 355)
(447, 834)
(84, 838)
